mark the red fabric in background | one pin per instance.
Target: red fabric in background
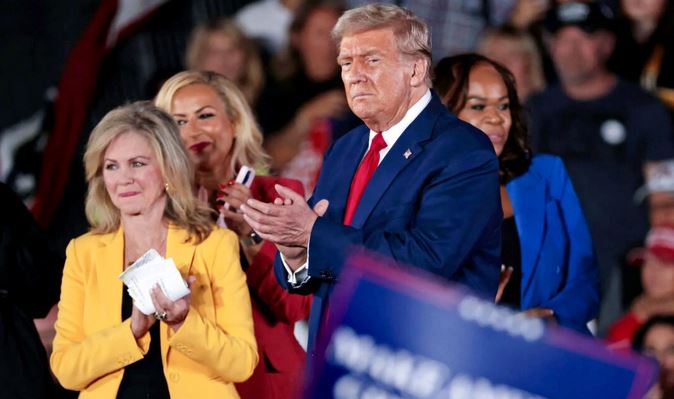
(75, 93)
(621, 332)
(76, 90)
(279, 373)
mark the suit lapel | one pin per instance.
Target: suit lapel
(179, 250)
(406, 148)
(340, 181)
(527, 194)
(109, 284)
(113, 264)
(182, 253)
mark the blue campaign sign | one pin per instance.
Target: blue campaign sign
(391, 334)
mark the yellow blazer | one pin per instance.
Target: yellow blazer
(214, 347)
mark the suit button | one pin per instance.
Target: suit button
(327, 274)
(174, 377)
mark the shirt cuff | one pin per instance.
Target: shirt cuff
(299, 276)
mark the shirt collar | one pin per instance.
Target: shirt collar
(394, 132)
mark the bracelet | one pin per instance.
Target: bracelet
(251, 239)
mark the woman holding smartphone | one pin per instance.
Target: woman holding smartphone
(218, 129)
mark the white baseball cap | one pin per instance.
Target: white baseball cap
(660, 179)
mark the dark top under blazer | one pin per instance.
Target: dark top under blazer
(438, 209)
(559, 268)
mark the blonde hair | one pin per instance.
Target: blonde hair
(411, 32)
(516, 41)
(161, 133)
(247, 147)
(252, 81)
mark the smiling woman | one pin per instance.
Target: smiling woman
(546, 243)
(217, 128)
(205, 127)
(487, 105)
(132, 175)
(140, 198)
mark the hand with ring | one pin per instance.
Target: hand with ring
(160, 316)
(173, 313)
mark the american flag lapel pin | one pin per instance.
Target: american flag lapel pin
(407, 153)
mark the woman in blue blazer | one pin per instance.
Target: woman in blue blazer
(545, 238)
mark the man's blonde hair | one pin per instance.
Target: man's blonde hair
(411, 32)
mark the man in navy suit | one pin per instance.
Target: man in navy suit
(414, 184)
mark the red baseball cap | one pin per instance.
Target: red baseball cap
(659, 242)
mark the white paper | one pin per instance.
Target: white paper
(149, 270)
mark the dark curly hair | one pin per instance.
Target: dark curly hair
(451, 82)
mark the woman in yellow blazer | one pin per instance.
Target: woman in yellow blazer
(140, 197)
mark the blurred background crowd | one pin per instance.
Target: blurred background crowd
(597, 91)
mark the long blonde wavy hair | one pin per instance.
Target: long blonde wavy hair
(247, 148)
(158, 128)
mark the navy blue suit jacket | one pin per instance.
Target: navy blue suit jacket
(438, 209)
(559, 269)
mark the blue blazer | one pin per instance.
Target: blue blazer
(559, 269)
(437, 209)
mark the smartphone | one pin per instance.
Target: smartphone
(245, 177)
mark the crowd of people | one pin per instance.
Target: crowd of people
(533, 164)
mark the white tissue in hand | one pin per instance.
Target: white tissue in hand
(149, 270)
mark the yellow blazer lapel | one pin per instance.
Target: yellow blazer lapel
(181, 251)
(107, 271)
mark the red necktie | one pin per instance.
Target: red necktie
(362, 177)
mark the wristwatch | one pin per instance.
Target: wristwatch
(251, 239)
